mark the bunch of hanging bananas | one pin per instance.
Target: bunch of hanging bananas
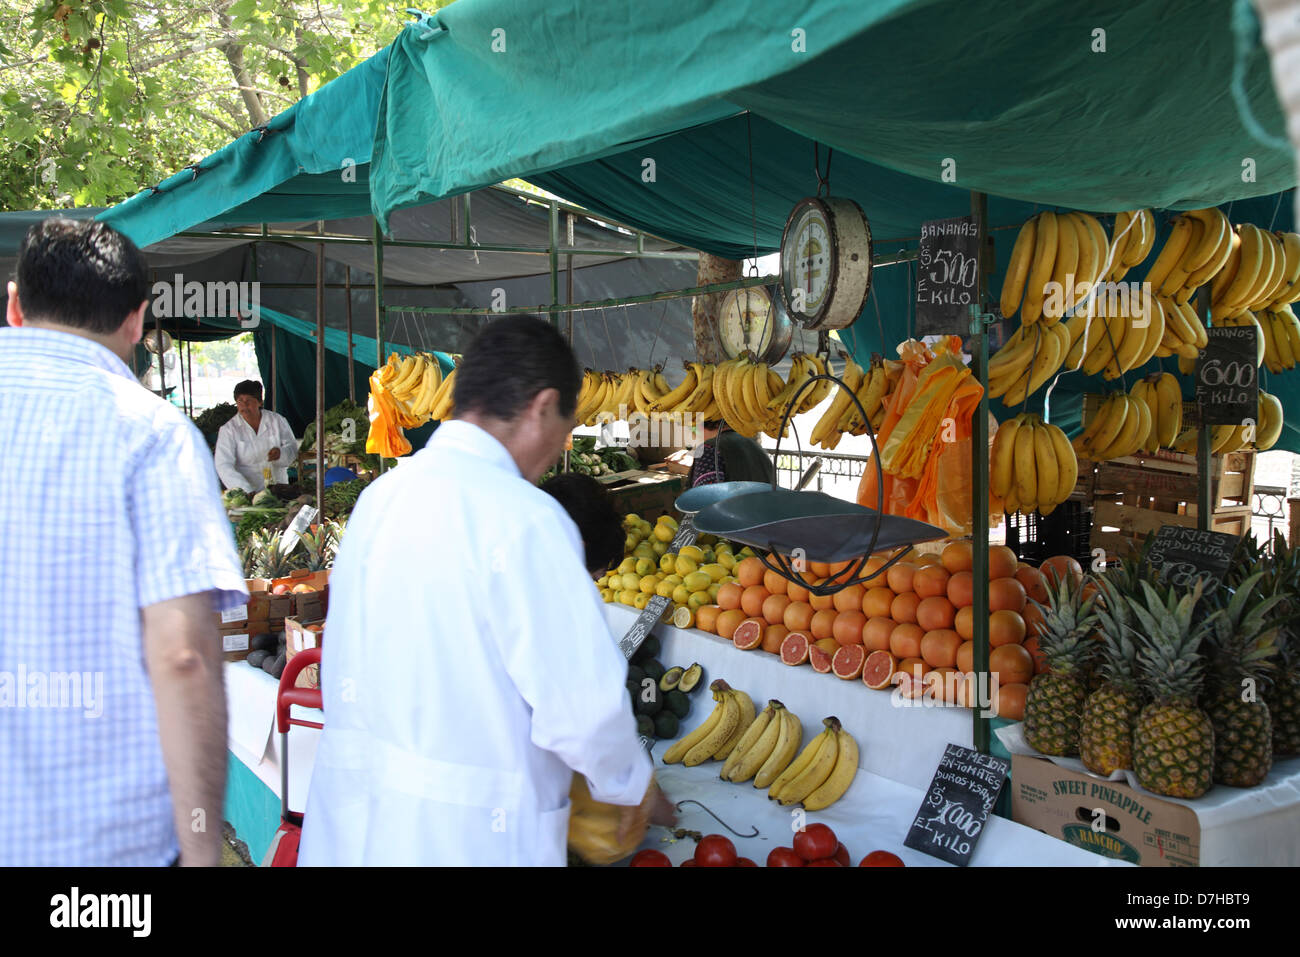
(753, 398)
(1134, 235)
(1163, 397)
(1260, 435)
(1119, 429)
(870, 386)
(644, 392)
(1068, 249)
(1032, 465)
(1279, 338)
(417, 388)
(1032, 355)
(1199, 246)
(1262, 270)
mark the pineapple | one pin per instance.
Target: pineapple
(1284, 698)
(1173, 740)
(1106, 730)
(1055, 699)
(1242, 646)
(263, 557)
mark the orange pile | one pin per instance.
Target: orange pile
(918, 613)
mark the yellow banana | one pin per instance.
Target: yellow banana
(1122, 235)
(797, 767)
(1065, 267)
(1013, 286)
(787, 746)
(745, 706)
(670, 400)
(817, 772)
(1179, 272)
(839, 405)
(1173, 251)
(842, 774)
(1047, 479)
(720, 733)
(754, 747)
(1067, 463)
(1109, 422)
(1026, 473)
(1040, 271)
(442, 399)
(1137, 253)
(685, 744)
(1233, 298)
(1269, 429)
(1170, 400)
(1002, 457)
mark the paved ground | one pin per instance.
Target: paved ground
(234, 853)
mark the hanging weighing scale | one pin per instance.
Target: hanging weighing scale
(825, 263)
(752, 320)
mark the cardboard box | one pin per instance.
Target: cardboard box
(235, 646)
(299, 636)
(257, 608)
(1106, 817)
(302, 605)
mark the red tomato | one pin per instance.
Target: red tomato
(745, 862)
(651, 858)
(715, 851)
(825, 862)
(842, 855)
(881, 859)
(784, 857)
(815, 842)
(689, 862)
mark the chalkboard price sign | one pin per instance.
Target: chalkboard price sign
(947, 277)
(1183, 556)
(961, 795)
(1227, 380)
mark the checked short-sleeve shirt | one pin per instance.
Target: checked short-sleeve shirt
(108, 504)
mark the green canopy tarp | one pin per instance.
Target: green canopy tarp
(701, 123)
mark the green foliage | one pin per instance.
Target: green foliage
(103, 98)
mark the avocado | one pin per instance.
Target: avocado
(669, 681)
(274, 666)
(666, 724)
(645, 726)
(677, 703)
(255, 658)
(691, 679)
(648, 700)
(633, 689)
(653, 669)
(263, 642)
(635, 673)
(650, 647)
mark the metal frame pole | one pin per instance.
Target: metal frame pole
(568, 266)
(980, 473)
(378, 241)
(320, 377)
(1203, 503)
(158, 333)
(554, 223)
(347, 292)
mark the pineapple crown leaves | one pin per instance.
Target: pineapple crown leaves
(1119, 640)
(1243, 643)
(1068, 622)
(1168, 656)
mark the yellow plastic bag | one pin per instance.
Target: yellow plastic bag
(593, 827)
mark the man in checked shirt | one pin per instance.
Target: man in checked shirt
(114, 553)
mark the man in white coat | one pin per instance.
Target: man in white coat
(254, 441)
(468, 671)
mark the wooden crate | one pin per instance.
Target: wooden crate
(1166, 480)
(1119, 528)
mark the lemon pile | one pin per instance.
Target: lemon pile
(691, 577)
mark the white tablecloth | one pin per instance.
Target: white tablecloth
(899, 747)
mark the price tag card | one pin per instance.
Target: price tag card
(947, 276)
(301, 522)
(655, 608)
(1227, 380)
(1183, 556)
(962, 793)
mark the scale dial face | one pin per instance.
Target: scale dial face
(745, 321)
(806, 259)
(825, 263)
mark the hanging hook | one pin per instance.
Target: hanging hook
(715, 817)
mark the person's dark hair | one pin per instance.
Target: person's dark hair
(511, 360)
(713, 424)
(593, 510)
(249, 387)
(80, 273)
